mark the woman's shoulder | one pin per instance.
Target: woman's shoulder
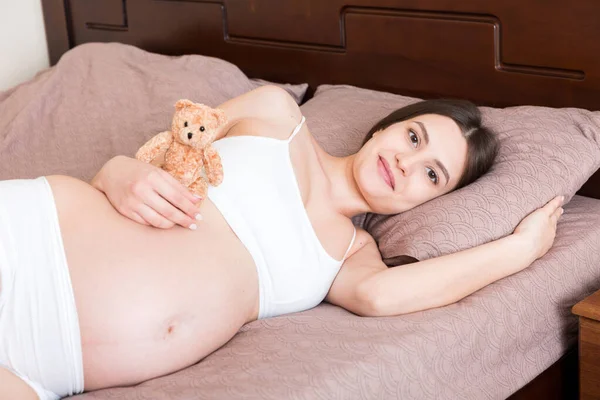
(267, 111)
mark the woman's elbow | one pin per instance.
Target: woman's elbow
(369, 303)
(378, 304)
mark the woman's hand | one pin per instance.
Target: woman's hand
(147, 194)
(539, 227)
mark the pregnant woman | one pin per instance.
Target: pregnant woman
(127, 278)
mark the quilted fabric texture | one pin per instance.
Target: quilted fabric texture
(105, 99)
(544, 152)
(485, 346)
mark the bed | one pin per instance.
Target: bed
(496, 53)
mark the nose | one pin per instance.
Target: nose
(190, 134)
(404, 163)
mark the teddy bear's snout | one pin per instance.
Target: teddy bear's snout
(196, 135)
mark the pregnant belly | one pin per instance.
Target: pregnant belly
(150, 301)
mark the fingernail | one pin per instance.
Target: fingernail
(562, 198)
(198, 217)
(193, 227)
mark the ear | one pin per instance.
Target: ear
(181, 104)
(220, 115)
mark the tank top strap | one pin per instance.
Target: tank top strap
(349, 247)
(296, 129)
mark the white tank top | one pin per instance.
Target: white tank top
(261, 201)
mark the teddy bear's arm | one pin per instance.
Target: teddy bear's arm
(154, 147)
(200, 187)
(213, 166)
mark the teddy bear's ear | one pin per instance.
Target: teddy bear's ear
(221, 117)
(181, 104)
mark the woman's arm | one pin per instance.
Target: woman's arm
(445, 280)
(377, 291)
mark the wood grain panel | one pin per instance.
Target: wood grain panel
(331, 27)
(589, 359)
(553, 33)
(106, 14)
(167, 27)
(589, 307)
(295, 21)
(450, 52)
(55, 22)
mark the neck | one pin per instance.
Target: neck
(345, 196)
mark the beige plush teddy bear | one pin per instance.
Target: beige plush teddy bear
(186, 149)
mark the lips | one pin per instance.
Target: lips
(386, 173)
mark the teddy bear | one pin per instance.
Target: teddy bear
(186, 149)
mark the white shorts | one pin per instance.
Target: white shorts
(39, 329)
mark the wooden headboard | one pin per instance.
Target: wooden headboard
(493, 52)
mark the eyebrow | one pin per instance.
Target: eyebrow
(437, 162)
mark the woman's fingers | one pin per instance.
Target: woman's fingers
(137, 218)
(539, 227)
(178, 186)
(153, 218)
(169, 211)
(177, 194)
(553, 204)
(556, 214)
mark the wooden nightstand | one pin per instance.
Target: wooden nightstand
(588, 310)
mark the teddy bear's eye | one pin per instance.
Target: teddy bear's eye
(185, 124)
(201, 129)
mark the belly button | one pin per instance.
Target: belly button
(169, 332)
(175, 326)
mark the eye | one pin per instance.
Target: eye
(185, 124)
(432, 175)
(201, 129)
(414, 138)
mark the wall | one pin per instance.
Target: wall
(23, 49)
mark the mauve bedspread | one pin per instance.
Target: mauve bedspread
(486, 346)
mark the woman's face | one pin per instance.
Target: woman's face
(410, 162)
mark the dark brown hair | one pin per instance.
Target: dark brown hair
(482, 144)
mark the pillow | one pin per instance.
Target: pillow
(543, 152)
(105, 99)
